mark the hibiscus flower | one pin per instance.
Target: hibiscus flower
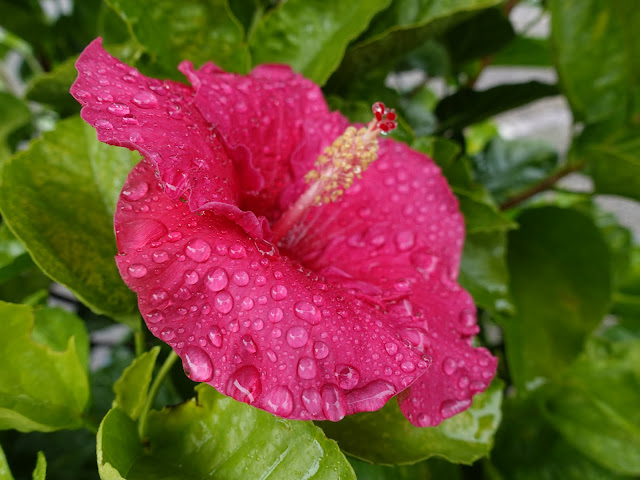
(282, 270)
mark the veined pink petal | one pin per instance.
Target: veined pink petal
(250, 322)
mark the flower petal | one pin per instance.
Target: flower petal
(252, 323)
(395, 239)
(276, 120)
(158, 119)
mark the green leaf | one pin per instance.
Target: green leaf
(14, 259)
(507, 167)
(466, 106)
(194, 30)
(597, 39)
(627, 298)
(132, 387)
(525, 52)
(15, 114)
(595, 407)
(58, 197)
(54, 326)
(483, 271)
(479, 36)
(5, 472)
(214, 435)
(40, 472)
(311, 35)
(387, 437)
(404, 26)
(429, 470)
(560, 272)
(528, 448)
(41, 388)
(52, 88)
(612, 154)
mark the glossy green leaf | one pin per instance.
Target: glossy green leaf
(54, 326)
(528, 448)
(52, 88)
(483, 271)
(60, 204)
(40, 472)
(525, 52)
(41, 387)
(215, 436)
(433, 469)
(607, 33)
(387, 437)
(5, 472)
(311, 35)
(595, 406)
(132, 387)
(14, 114)
(627, 296)
(14, 259)
(560, 272)
(193, 30)
(396, 31)
(612, 154)
(507, 167)
(466, 107)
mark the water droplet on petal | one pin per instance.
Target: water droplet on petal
(197, 364)
(424, 420)
(198, 250)
(104, 124)
(271, 355)
(217, 280)
(307, 312)
(248, 344)
(191, 277)
(167, 334)
(174, 236)
(307, 368)
(145, 100)
(159, 296)
(312, 401)
(278, 292)
(334, 405)
(449, 366)
(160, 256)
(137, 270)
(246, 304)
(408, 366)
(405, 240)
(276, 314)
(348, 376)
(297, 337)
(155, 317)
(237, 251)
(320, 350)
(118, 109)
(223, 302)
(244, 385)
(215, 336)
(279, 401)
(467, 322)
(391, 348)
(241, 278)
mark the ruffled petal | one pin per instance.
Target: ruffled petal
(158, 119)
(395, 240)
(276, 120)
(253, 324)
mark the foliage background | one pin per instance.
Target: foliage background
(555, 276)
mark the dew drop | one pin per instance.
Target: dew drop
(271, 355)
(334, 405)
(348, 376)
(215, 336)
(223, 302)
(276, 314)
(261, 280)
(167, 334)
(424, 420)
(197, 364)
(279, 401)
(132, 120)
(174, 236)
(449, 366)
(312, 401)
(244, 384)
(241, 278)
(307, 368)
(278, 292)
(391, 348)
(104, 124)
(258, 324)
(405, 241)
(145, 100)
(407, 366)
(191, 277)
(248, 344)
(246, 304)
(216, 280)
(198, 250)
(307, 312)
(137, 270)
(155, 317)
(320, 350)
(237, 251)
(297, 337)
(118, 109)
(160, 256)
(159, 296)
(467, 322)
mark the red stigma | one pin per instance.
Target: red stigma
(385, 118)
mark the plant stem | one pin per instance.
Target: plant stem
(138, 338)
(153, 392)
(540, 187)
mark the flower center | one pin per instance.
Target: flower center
(336, 169)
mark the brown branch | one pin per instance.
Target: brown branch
(540, 187)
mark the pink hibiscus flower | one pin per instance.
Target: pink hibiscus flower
(307, 305)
